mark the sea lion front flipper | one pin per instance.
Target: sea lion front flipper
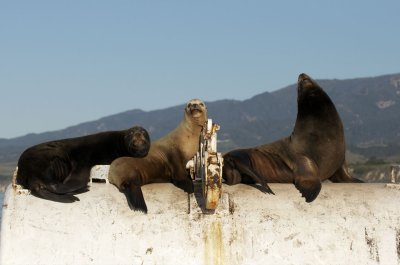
(306, 178)
(185, 184)
(134, 196)
(342, 175)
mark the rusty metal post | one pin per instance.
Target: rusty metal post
(207, 164)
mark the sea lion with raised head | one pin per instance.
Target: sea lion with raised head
(58, 169)
(314, 152)
(166, 161)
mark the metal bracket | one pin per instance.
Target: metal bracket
(207, 165)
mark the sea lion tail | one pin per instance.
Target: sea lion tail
(134, 196)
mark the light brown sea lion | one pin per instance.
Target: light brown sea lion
(166, 160)
(315, 151)
(58, 169)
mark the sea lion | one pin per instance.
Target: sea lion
(166, 160)
(58, 169)
(315, 151)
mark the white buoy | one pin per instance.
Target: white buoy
(346, 224)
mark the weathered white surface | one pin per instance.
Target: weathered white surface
(347, 224)
(100, 172)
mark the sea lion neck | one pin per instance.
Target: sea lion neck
(192, 125)
(195, 122)
(312, 99)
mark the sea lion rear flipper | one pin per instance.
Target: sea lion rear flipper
(263, 189)
(134, 196)
(47, 195)
(245, 170)
(342, 175)
(71, 186)
(306, 178)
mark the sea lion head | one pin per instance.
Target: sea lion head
(137, 140)
(306, 84)
(310, 95)
(196, 111)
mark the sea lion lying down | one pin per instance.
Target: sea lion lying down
(315, 151)
(58, 169)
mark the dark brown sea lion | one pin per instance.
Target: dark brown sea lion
(315, 151)
(166, 161)
(58, 169)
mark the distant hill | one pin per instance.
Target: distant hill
(369, 108)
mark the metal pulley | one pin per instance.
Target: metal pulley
(206, 165)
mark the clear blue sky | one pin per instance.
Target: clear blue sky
(67, 62)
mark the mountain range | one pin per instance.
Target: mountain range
(369, 108)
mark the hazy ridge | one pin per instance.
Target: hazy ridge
(369, 108)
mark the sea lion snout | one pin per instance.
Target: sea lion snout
(305, 81)
(303, 77)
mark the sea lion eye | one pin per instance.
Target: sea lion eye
(202, 104)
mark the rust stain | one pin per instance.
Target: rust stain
(213, 251)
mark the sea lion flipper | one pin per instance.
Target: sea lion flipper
(243, 169)
(263, 189)
(342, 175)
(309, 189)
(306, 178)
(134, 196)
(185, 184)
(47, 195)
(72, 186)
